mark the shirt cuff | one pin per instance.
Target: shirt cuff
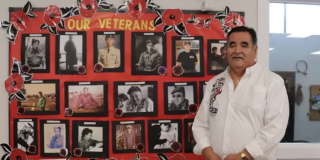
(254, 150)
(203, 143)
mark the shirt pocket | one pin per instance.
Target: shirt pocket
(257, 97)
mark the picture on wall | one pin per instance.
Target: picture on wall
(148, 53)
(92, 137)
(178, 97)
(202, 89)
(189, 141)
(35, 52)
(87, 99)
(136, 98)
(314, 114)
(217, 56)
(43, 97)
(127, 135)
(162, 133)
(187, 52)
(26, 134)
(54, 136)
(71, 52)
(109, 51)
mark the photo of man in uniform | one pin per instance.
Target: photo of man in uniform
(86, 101)
(57, 139)
(35, 55)
(109, 57)
(179, 101)
(187, 59)
(150, 60)
(129, 138)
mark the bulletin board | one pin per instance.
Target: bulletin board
(85, 89)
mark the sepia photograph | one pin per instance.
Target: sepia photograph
(25, 134)
(71, 52)
(187, 52)
(91, 137)
(148, 53)
(35, 50)
(86, 98)
(42, 97)
(109, 50)
(179, 96)
(136, 98)
(127, 135)
(217, 56)
(189, 141)
(162, 134)
(202, 89)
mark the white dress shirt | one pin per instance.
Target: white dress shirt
(254, 116)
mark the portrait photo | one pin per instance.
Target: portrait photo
(87, 98)
(179, 96)
(91, 137)
(25, 134)
(187, 52)
(35, 52)
(162, 133)
(189, 141)
(42, 97)
(217, 56)
(109, 50)
(202, 89)
(71, 52)
(54, 137)
(127, 135)
(148, 53)
(136, 98)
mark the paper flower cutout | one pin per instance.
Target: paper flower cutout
(87, 8)
(177, 70)
(199, 22)
(32, 149)
(77, 152)
(65, 153)
(162, 70)
(68, 112)
(15, 82)
(175, 147)
(172, 19)
(118, 112)
(20, 110)
(82, 69)
(12, 154)
(229, 20)
(136, 8)
(140, 147)
(25, 68)
(18, 22)
(193, 108)
(98, 67)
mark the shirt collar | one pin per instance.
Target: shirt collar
(248, 72)
(110, 47)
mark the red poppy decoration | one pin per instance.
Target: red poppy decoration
(82, 70)
(18, 154)
(77, 152)
(193, 108)
(177, 70)
(20, 20)
(68, 112)
(135, 8)
(32, 149)
(25, 68)
(140, 147)
(162, 70)
(21, 110)
(63, 152)
(98, 67)
(52, 16)
(175, 146)
(88, 8)
(14, 83)
(199, 22)
(118, 112)
(172, 17)
(234, 20)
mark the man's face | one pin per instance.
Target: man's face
(56, 132)
(136, 97)
(223, 51)
(164, 128)
(214, 51)
(110, 42)
(240, 50)
(178, 98)
(85, 91)
(187, 47)
(160, 40)
(121, 102)
(88, 136)
(149, 46)
(129, 130)
(35, 45)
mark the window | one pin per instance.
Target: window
(276, 18)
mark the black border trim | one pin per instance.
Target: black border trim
(209, 70)
(187, 148)
(35, 131)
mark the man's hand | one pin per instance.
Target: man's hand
(209, 154)
(233, 157)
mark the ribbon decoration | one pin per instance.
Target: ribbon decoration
(229, 20)
(136, 8)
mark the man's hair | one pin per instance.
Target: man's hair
(40, 93)
(133, 89)
(122, 96)
(166, 124)
(85, 132)
(35, 41)
(57, 128)
(214, 49)
(251, 31)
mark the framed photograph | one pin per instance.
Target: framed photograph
(26, 134)
(162, 133)
(217, 56)
(187, 52)
(43, 97)
(35, 52)
(92, 137)
(87, 99)
(54, 135)
(71, 52)
(109, 50)
(189, 141)
(136, 99)
(148, 53)
(178, 97)
(202, 89)
(126, 135)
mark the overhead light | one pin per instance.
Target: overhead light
(270, 49)
(317, 52)
(299, 35)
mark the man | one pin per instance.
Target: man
(129, 138)
(187, 59)
(122, 100)
(42, 102)
(219, 62)
(109, 57)
(87, 101)
(34, 58)
(157, 129)
(223, 52)
(150, 60)
(137, 103)
(245, 109)
(179, 101)
(57, 139)
(158, 46)
(71, 51)
(86, 143)
(26, 137)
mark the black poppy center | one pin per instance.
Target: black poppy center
(13, 83)
(172, 16)
(51, 15)
(137, 7)
(19, 20)
(18, 158)
(88, 7)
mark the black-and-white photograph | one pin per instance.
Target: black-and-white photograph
(26, 134)
(148, 53)
(109, 51)
(127, 135)
(35, 52)
(189, 141)
(217, 56)
(91, 137)
(70, 52)
(187, 52)
(178, 97)
(136, 98)
(202, 89)
(162, 134)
